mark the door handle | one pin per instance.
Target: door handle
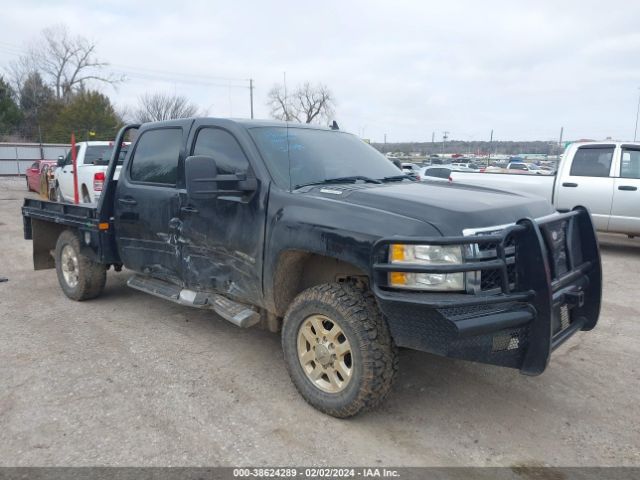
(127, 201)
(189, 210)
(569, 184)
(628, 188)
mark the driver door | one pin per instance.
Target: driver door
(222, 237)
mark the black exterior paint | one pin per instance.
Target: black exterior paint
(233, 243)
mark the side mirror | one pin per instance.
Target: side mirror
(203, 181)
(60, 162)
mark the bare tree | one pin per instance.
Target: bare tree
(66, 63)
(306, 104)
(154, 107)
(280, 105)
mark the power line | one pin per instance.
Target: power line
(195, 76)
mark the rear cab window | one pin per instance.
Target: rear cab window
(101, 154)
(592, 161)
(156, 157)
(438, 172)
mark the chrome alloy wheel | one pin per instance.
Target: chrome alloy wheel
(325, 353)
(69, 264)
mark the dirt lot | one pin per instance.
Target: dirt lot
(129, 379)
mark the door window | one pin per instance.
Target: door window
(592, 162)
(630, 165)
(156, 156)
(224, 148)
(68, 160)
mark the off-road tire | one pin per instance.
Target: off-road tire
(374, 355)
(92, 276)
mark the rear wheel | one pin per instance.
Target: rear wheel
(80, 277)
(338, 349)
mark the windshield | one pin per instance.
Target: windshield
(318, 155)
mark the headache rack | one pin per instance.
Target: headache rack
(551, 265)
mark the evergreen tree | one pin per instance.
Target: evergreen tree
(10, 115)
(90, 115)
(39, 107)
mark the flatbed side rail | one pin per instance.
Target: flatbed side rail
(43, 221)
(77, 216)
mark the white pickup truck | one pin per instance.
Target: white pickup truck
(602, 176)
(92, 160)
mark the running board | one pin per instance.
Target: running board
(234, 312)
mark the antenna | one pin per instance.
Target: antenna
(334, 126)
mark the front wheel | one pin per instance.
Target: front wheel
(80, 277)
(338, 349)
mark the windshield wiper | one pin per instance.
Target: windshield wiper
(328, 181)
(395, 178)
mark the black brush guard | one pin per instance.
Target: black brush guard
(552, 281)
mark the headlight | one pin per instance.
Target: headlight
(426, 255)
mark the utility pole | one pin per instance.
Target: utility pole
(490, 147)
(561, 134)
(251, 95)
(445, 135)
(635, 132)
(560, 140)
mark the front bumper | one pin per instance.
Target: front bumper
(549, 285)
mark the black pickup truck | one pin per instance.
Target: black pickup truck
(311, 231)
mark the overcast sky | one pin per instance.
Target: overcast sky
(406, 69)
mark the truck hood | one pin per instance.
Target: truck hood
(450, 208)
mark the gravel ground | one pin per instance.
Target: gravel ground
(129, 379)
